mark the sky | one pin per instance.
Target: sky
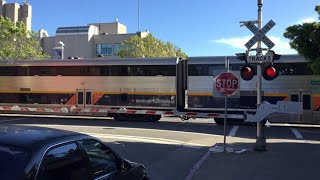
(198, 27)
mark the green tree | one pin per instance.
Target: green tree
(17, 43)
(305, 38)
(149, 47)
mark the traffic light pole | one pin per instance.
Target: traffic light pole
(261, 141)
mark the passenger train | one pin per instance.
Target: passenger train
(151, 84)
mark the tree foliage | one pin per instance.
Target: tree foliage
(17, 43)
(149, 47)
(305, 38)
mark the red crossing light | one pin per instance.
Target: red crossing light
(270, 73)
(247, 72)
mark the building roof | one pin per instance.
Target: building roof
(72, 30)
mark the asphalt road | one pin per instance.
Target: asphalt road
(175, 149)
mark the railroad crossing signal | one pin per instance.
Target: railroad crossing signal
(227, 83)
(259, 35)
(247, 72)
(270, 73)
(269, 57)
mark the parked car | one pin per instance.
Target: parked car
(29, 153)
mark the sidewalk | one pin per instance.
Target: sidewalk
(283, 160)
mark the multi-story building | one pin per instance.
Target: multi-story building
(90, 41)
(17, 12)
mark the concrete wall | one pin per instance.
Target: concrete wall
(47, 44)
(26, 15)
(111, 28)
(15, 12)
(75, 45)
(2, 3)
(12, 11)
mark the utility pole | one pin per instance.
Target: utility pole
(138, 15)
(261, 141)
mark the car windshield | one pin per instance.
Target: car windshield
(12, 162)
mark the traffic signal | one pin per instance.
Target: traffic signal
(247, 72)
(270, 73)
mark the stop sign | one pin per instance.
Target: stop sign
(227, 83)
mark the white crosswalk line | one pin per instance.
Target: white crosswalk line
(233, 131)
(296, 133)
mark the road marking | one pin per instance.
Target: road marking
(18, 119)
(125, 128)
(148, 139)
(233, 131)
(268, 124)
(197, 166)
(296, 133)
(133, 138)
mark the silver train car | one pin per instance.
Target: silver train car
(151, 84)
(295, 82)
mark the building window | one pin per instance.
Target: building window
(104, 49)
(116, 48)
(98, 49)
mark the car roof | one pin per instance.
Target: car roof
(29, 136)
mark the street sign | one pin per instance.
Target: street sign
(227, 83)
(259, 59)
(260, 35)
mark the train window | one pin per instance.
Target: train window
(80, 97)
(306, 102)
(235, 67)
(136, 70)
(214, 70)
(300, 68)
(208, 69)
(114, 70)
(31, 98)
(93, 71)
(13, 71)
(42, 71)
(294, 97)
(22, 71)
(198, 70)
(157, 70)
(8, 71)
(124, 97)
(71, 70)
(106, 71)
(88, 97)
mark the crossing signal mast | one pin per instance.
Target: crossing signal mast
(269, 72)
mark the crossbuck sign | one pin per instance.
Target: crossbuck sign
(259, 35)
